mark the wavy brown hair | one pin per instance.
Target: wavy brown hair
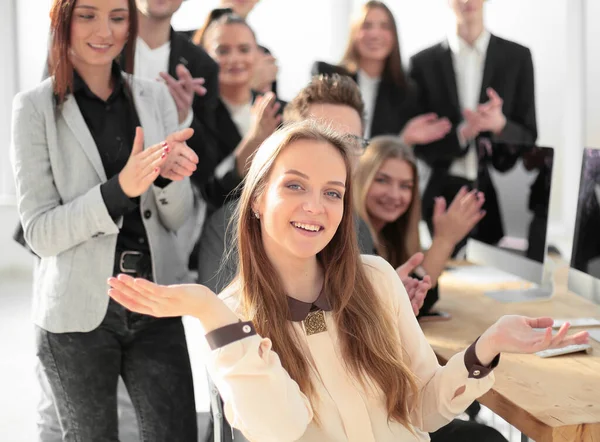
(369, 339)
(60, 66)
(398, 240)
(392, 70)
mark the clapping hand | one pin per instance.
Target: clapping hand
(143, 166)
(265, 73)
(182, 160)
(425, 129)
(416, 289)
(183, 90)
(487, 118)
(452, 224)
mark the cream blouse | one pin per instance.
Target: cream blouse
(266, 405)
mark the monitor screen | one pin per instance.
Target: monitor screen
(523, 194)
(585, 255)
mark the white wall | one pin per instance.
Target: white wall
(280, 26)
(8, 87)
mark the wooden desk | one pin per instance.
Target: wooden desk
(549, 400)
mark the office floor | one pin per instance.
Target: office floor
(17, 381)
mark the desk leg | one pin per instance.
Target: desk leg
(524, 438)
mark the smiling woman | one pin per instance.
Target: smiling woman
(94, 32)
(311, 341)
(92, 151)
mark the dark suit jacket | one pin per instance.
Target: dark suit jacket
(509, 71)
(219, 186)
(394, 105)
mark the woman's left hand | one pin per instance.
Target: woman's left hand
(142, 296)
(520, 334)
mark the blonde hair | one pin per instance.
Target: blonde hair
(369, 338)
(392, 70)
(398, 240)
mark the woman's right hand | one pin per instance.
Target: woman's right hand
(148, 298)
(143, 166)
(454, 223)
(161, 301)
(264, 117)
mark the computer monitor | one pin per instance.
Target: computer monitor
(584, 275)
(523, 194)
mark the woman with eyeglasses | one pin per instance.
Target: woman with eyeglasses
(94, 154)
(372, 58)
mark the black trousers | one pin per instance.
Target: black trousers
(466, 431)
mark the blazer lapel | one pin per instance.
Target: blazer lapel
(145, 109)
(491, 61)
(176, 56)
(447, 69)
(76, 123)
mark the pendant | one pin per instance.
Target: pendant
(315, 323)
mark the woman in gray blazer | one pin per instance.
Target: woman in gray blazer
(98, 196)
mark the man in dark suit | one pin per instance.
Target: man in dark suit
(189, 72)
(484, 85)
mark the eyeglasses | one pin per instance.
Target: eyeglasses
(360, 143)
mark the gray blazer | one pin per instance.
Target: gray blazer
(58, 172)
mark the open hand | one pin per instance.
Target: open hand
(521, 334)
(148, 298)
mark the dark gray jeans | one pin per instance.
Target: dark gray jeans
(149, 353)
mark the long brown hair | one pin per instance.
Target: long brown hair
(369, 339)
(398, 240)
(60, 66)
(392, 70)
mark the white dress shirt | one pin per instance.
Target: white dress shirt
(241, 115)
(369, 87)
(468, 62)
